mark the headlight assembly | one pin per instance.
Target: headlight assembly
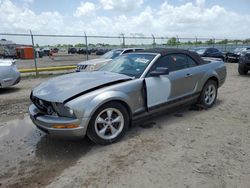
(63, 111)
(91, 67)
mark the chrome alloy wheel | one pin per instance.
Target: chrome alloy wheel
(210, 94)
(109, 123)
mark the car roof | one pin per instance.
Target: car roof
(128, 49)
(166, 51)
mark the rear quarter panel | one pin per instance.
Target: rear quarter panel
(215, 69)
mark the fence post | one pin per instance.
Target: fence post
(177, 41)
(153, 41)
(34, 51)
(225, 49)
(86, 44)
(196, 41)
(123, 40)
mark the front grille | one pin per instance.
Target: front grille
(82, 66)
(42, 105)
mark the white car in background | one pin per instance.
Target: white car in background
(9, 75)
(95, 64)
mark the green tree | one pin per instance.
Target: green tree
(172, 41)
(247, 41)
(210, 41)
(80, 45)
(225, 41)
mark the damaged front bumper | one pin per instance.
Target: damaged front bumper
(58, 126)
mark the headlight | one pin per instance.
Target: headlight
(63, 111)
(91, 67)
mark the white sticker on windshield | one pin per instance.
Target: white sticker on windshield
(142, 60)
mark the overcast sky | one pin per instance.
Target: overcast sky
(185, 18)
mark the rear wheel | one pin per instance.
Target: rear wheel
(209, 94)
(108, 124)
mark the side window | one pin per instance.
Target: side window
(248, 56)
(137, 50)
(173, 62)
(191, 62)
(209, 51)
(215, 50)
(127, 51)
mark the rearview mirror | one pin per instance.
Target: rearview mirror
(159, 71)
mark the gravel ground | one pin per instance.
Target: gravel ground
(184, 148)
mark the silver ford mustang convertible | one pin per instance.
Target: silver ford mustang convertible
(103, 103)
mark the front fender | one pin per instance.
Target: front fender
(103, 98)
(86, 105)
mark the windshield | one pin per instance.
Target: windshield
(236, 50)
(112, 54)
(199, 50)
(130, 64)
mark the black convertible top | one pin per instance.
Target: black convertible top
(166, 51)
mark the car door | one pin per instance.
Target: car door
(214, 53)
(208, 53)
(217, 53)
(178, 83)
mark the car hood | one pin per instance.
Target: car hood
(7, 62)
(61, 88)
(94, 61)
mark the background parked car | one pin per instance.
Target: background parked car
(72, 51)
(209, 52)
(46, 51)
(9, 74)
(39, 53)
(102, 51)
(93, 50)
(84, 51)
(244, 63)
(95, 64)
(235, 55)
(55, 50)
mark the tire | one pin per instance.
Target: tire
(209, 94)
(106, 127)
(242, 71)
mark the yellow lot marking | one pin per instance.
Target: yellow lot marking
(43, 69)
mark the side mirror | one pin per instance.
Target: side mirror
(159, 71)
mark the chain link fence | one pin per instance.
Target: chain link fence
(68, 50)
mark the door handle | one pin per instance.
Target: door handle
(188, 75)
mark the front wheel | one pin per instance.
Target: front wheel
(108, 124)
(209, 94)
